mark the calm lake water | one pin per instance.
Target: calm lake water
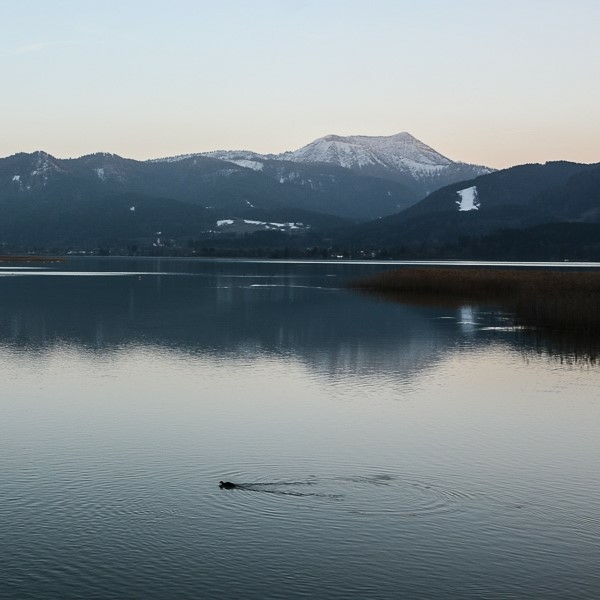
(383, 450)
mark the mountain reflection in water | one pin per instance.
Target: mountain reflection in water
(241, 309)
(227, 314)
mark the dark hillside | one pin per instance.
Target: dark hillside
(514, 198)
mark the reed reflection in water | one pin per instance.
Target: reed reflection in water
(558, 310)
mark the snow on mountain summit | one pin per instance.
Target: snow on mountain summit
(397, 152)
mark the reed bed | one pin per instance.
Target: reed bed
(30, 258)
(559, 301)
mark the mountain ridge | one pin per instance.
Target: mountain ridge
(103, 198)
(399, 157)
(205, 181)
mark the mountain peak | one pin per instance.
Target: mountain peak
(400, 151)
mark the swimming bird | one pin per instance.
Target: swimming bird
(227, 485)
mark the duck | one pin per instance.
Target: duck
(227, 485)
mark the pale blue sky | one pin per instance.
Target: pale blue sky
(496, 82)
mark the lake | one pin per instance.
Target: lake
(382, 450)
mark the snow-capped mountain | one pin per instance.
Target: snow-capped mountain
(399, 157)
(395, 152)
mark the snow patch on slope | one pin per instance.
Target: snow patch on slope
(248, 164)
(172, 159)
(239, 224)
(232, 155)
(468, 199)
(242, 158)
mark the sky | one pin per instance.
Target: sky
(492, 82)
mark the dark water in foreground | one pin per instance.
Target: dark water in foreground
(384, 451)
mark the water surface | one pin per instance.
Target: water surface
(383, 450)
